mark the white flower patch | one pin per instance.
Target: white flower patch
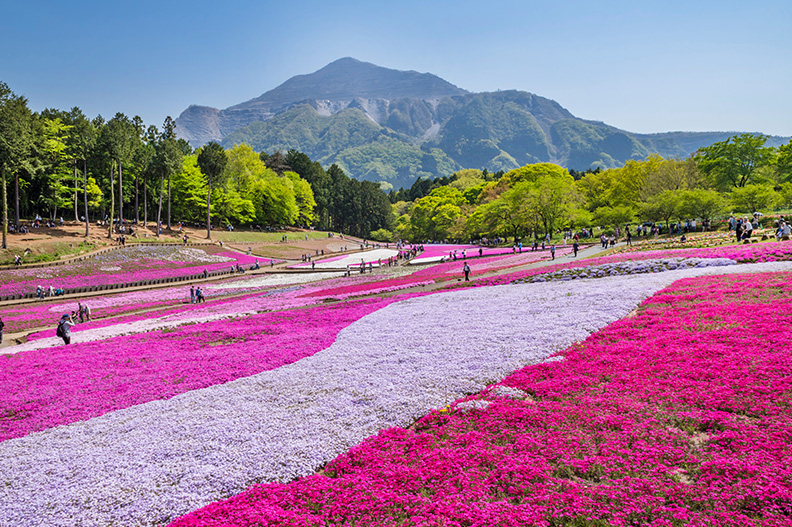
(508, 392)
(469, 406)
(110, 268)
(191, 254)
(150, 463)
(354, 259)
(270, 280)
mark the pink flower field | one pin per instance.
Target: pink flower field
(125, 265)
(647, 393)
(679, 415)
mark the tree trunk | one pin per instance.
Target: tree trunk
(159, 209)
(112, 200)
(16, 201)
(5, 211)
(169, 202)
(85, 193)
(76, 189)
(145, 200)
(137, 204)
(120, 194)
(208, 214)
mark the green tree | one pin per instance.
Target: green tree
(662, 207)
(753, 198)
(614, 216)
(733, 163)
(671, 174)
(784, 163)
(701, 203)
(189, 190)
(82, 140)
(212, 159)
(120, 139)
(785, 195)
(554, 197)
(16, 142)
(168, 160)
(433, 216)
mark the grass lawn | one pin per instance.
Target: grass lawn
(250, 236)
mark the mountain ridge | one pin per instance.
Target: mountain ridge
(394, 126)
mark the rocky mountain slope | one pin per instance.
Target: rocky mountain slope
(394, 126)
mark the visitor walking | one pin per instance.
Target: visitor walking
(64, 328)
(192, 294)
(2, 325)
(466, 270)
(199, 295)
(575, 247)
(552, 252)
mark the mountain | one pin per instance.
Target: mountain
(394, 126)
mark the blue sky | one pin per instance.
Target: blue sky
(642, 66)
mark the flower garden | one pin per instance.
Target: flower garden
(635, 389)
(124, 265)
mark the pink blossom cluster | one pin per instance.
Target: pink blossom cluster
(55, 386)
(104, 270)
(676, 416)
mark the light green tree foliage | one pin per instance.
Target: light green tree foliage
(733, 163)
(473, 194)
(662, 207)
(785, 195)
(230, 207)
(753, 198)
(618, 186)
(701, 203)
(381, 235)
(467, 178)
(59, 180)
(784, 163)
(304, 196)
(532, 172)
(510, 214)
(671, 174)
(554, 198)
(433, 216)
(189, 191)
(273, 197)
(617, 216)
(212, 159)
(94, 193)
(535, 198)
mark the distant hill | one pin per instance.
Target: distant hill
(387, 125)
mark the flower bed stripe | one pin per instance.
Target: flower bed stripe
(146, 464)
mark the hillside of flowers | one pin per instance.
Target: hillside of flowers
(124, 265)
(677, 416)
(118, 440)
(753, 253)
